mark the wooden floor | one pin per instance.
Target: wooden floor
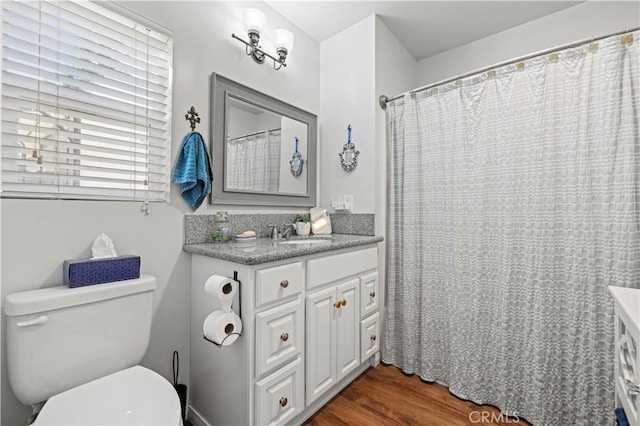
(386, 396)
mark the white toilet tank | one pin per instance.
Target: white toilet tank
(61, 337)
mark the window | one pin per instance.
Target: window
(85, 104)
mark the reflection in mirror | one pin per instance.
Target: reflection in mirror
(297, 162)
(263, 149)
(259, 143)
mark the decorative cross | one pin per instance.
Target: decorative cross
(192, 117)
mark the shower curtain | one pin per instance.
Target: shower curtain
(256, 160)
(513, 204)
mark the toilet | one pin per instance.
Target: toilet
(76, 350)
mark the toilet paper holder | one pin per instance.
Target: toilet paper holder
(219, 345)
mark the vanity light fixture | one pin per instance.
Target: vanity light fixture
(254, 22)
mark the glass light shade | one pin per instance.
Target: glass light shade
(283, 39)
(254, 20)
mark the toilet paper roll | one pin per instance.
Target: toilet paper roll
(223, 288)
(219, 326)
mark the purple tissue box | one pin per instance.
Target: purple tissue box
(82, 272)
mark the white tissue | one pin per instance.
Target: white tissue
(103, 247)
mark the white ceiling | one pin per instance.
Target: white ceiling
(425, 28)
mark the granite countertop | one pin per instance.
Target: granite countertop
(267, 250)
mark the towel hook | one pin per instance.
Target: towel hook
(192, 117)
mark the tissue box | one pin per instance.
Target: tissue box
(83, 272)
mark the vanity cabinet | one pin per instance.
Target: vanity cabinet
(307, 323)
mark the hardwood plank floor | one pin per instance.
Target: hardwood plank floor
(386, 396)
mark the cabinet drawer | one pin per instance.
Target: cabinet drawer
(279, 397)
(369, 336)
(327, 269)
(278, 283)
(369, 294)
(279, 335)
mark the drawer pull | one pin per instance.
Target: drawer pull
(372, 294)
(373, 337)
(283, 401)
(284, 337)
(284, 283)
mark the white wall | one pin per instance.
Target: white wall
(586, 20)
(37, 236)
(203, 45)
(347, 84)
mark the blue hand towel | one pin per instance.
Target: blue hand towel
(193, 170)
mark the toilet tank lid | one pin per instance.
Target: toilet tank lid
(51, 298)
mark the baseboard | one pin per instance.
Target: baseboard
(195, 418)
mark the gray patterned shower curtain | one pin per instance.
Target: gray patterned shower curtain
(514, 201)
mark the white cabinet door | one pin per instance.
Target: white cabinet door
(369, 294)
(320, 343)
(347, 328)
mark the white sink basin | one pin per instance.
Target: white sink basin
(307, 242)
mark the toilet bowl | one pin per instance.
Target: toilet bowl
(135, 396)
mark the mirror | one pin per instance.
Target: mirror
(264, 150)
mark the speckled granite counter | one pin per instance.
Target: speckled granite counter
(267, 250)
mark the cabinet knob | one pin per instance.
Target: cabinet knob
(284, 337)
(373, 337)
(284, 283)
(372, 294)
(337, 304)
(283, 401)
(343, 303)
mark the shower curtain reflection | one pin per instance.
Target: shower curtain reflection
(256, 162)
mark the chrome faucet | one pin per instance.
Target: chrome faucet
(286, 229)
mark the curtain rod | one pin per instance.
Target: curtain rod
(384, 100)
(253, 134)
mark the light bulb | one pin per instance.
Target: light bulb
(253, 21)
(283, 39)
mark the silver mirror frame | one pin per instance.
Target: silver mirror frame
(220, 87)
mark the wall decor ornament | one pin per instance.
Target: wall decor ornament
(349, 154)
(297, 162)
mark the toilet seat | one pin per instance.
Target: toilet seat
(135, 396)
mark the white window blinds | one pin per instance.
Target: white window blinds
(85, 103)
